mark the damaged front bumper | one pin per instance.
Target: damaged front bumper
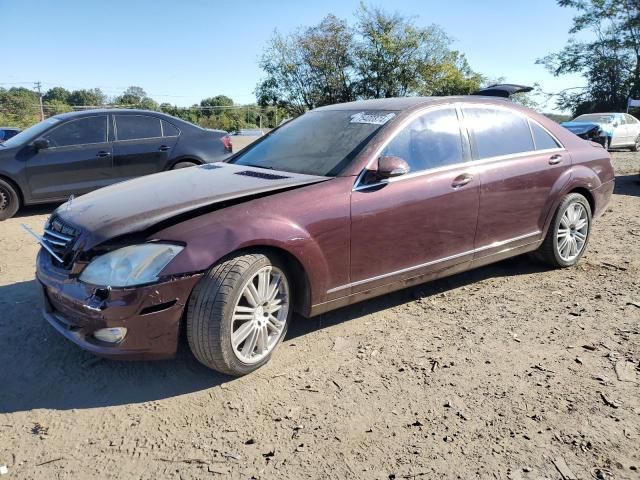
(150, 313)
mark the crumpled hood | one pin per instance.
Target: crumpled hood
(138, 204)
(580, 128)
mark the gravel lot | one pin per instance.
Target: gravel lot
(509, 371)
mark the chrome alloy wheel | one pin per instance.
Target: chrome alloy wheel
(260, 315)
(572, 232)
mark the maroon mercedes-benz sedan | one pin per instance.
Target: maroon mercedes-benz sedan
(341, 204)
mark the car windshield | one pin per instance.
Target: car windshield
(31, 133)
(596, 118)
(317, 143)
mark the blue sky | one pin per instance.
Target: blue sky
(183, 51)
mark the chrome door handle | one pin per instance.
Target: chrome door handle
(555, 159)
(103, 154)
(461, 180)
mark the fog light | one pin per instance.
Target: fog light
(110, 335)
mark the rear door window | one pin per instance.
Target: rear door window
(496, 131)
(137, 127)
(542, 139)
(79, 132)
(430, 141)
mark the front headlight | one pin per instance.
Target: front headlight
(129, 266)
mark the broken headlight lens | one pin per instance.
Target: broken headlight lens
(129, 266)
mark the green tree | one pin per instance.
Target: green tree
(57, 94)
(213, 114)
(384, 55)
(54, 107)
(451, 75)
(308, 68)
(610, 61)
(19, 107)
(136, 97)
(92, 97)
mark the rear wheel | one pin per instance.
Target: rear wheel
(636, 145)
(568, 233)
(183, 165)
(606, 143)
(9, 200)
(238, 313)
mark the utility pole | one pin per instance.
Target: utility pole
(38, 86)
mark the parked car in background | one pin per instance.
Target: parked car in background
(7, 132)
(616, 130)
(236, 141)
(588, 131)
(74, 153)
(341, 204)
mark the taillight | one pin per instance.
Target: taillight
(226, 141)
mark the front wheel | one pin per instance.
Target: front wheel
(636, 145)
(239, 312)
(568, 233)
(9, 200)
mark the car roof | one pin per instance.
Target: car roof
(410, 103)
(124, 111)
(397, 103)
(120, 111)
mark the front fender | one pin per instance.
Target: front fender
(207, 244)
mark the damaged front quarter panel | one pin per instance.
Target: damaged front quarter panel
(150, 313)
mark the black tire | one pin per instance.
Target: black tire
(548, 251)
(183, 165)
(210, 310)
(606, 143)
(9, 200)
(636, 145)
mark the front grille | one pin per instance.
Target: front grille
(60, 238)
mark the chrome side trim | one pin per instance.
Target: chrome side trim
(42, 242)
(434, 262)
(471, 164)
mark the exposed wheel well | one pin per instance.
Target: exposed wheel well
(299, 278)
(586, 194)
(16, 188)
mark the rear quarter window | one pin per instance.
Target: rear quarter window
(496, 132)
(542, 139)
(169, 130)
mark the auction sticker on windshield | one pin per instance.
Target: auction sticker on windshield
(372, 118)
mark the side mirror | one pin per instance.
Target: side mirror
(41, 144)
(391, 166)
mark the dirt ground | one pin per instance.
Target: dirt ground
(509, 371)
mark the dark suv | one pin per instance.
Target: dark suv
(74, 153)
